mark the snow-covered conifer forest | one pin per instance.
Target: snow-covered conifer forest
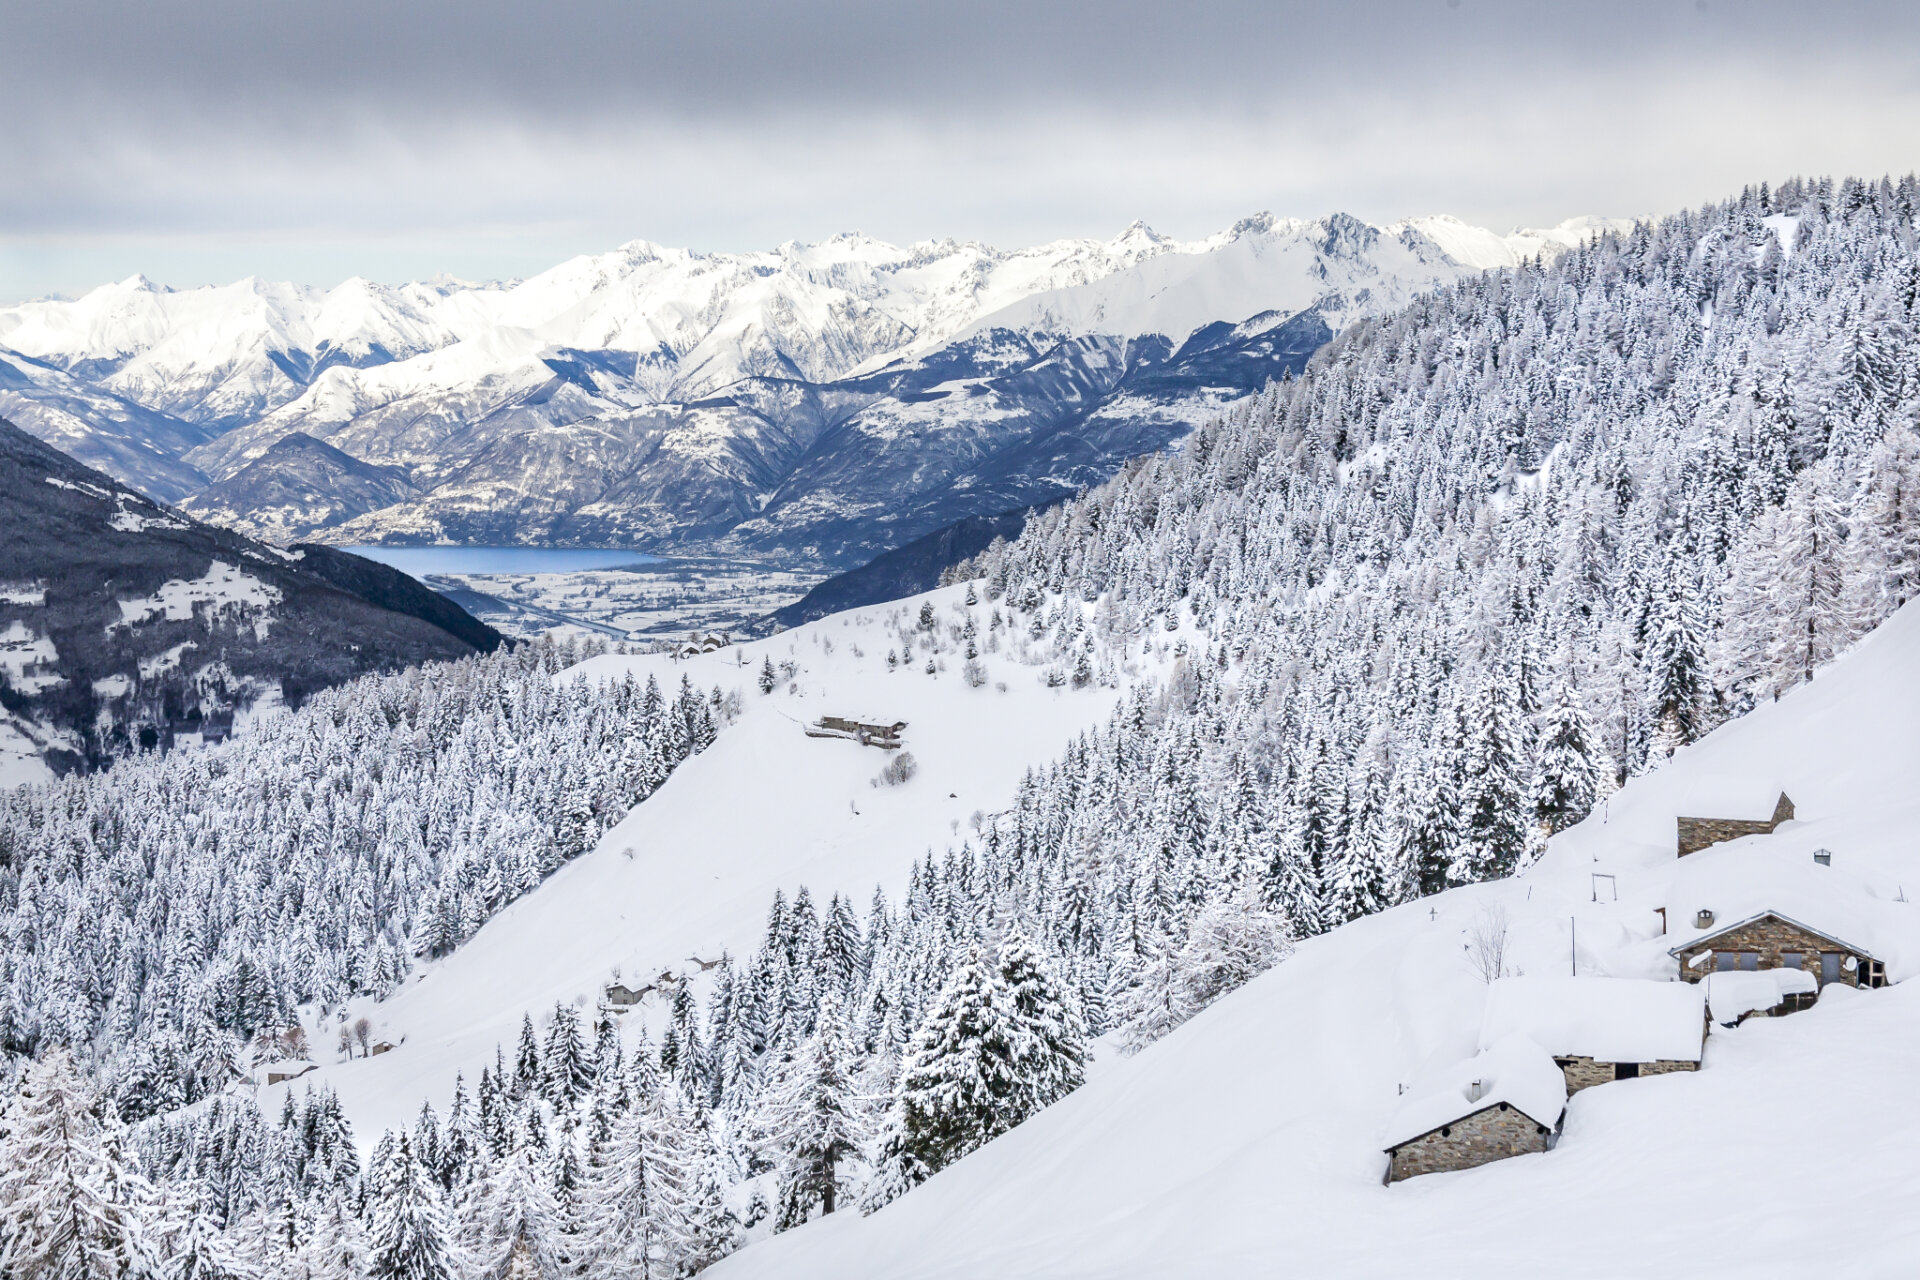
(1383, 631)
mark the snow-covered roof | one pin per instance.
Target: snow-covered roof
(1608, 1019)
(1516, 1071)
(1731, 994)
(1741, 885)
(1721, 927)
(1737, 796)
(284, 1069)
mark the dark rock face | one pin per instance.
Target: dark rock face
(297, 487)
(124, 624)
(833, 473)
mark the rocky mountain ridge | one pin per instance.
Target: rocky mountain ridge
(823, 401)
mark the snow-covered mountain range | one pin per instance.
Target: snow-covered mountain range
(831, 399)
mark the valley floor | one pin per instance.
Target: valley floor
(663, 599)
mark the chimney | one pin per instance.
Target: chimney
(1703, 920)
(1824, 857)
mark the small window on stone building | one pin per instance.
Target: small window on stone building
(1724, 961)
(1829, 967)
(1792, 959)
(1446, 1131)
(1626, 1071)
(1749, 961)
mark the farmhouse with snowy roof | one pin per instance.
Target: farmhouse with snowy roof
(1507, 1101)
(1766, 933)
(1600, 1029)
(620, 997)
(1788, 959)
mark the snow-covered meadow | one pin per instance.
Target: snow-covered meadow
(691, 871)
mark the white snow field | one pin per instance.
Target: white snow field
(692, 871)
(1248, 1143)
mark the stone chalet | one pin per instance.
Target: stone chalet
(1508, 1101)
(1792, 961)
(694, 646)
(868, 733)
(1764, 931)
(1696, 834)
(1601, 1029)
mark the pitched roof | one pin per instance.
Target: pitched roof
(1716, 930)
(1608, 1019)
(1778, 877)
(1515, 1071)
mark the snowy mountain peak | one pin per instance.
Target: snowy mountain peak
(441, 377)
(209, 354)
(1138, 240)
(1341, 235)
(1259, 224)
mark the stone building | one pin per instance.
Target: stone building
(1767, 940)
(1601, 1029)
(1505, 1102)
(1696, 834)
(621, 997)
(1491, 1133)
(868, 733)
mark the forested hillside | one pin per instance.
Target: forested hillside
(1425, 605)
(160, 916)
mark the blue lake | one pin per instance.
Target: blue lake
(420, 561)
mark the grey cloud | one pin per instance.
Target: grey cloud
(317, 140)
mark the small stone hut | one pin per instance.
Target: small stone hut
(1507, 1101)
(1601, 1029)
(1696, 834)
(868, 733)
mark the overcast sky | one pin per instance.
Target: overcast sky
(207, 141)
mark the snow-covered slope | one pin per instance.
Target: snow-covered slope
(138, 446)
(1248, 1142)
(835, 398)
(691, 872)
